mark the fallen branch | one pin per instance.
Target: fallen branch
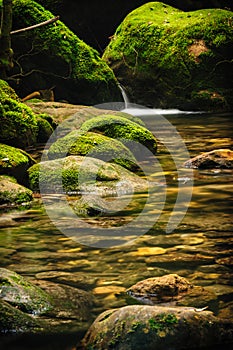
(35, 25)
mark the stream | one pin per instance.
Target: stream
(197, 245)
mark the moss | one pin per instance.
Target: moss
(163, 54)
(93, 145)
(18, 126)
(162, 321)
(7, 91)
(66, 171)
(12, 192)
(75, 68)
(23, 294)
(45, 130)
(122, 129)
(14, 162)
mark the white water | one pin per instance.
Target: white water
(125, 97)
(153, 111)
(138, 110)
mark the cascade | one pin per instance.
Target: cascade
(124, 96)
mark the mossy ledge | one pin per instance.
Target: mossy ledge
(167, 58)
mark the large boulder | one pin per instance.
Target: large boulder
(137, 327)
(53, 56)
(169, 58)
(94, 145)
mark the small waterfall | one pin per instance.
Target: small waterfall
(125, 97)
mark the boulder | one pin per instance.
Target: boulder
(219, 158)
(12, 192)
(93, 145)
(77, 174)
(14, 162)
(58, 60)
(125, 130)
(167, 58)
(156, 327)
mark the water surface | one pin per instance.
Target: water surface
(199, 249)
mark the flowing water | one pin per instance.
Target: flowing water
(199, 248)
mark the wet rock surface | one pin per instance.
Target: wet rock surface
(219, 158)
(12, 192)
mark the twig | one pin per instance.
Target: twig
(51, 20)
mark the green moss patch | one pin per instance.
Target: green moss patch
(12, 192)
(14, 161)
(123, 129)
(94, 145)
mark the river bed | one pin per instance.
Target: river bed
(198, 245)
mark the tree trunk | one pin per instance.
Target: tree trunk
(6, 53)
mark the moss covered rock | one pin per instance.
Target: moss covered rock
(14, 162)
(169, 58)
(131, 327)
(94, 145)
(13, 320)
(122, 129)
(58, 58)
(45, 129)
(17, 291)
(18, 125)
(76, 174)
(12, 192)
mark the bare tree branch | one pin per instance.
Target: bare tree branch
(35, 25)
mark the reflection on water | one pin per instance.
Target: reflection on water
(200, 248)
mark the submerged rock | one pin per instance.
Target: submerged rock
(156, 327)
(40, 306)
(167, 58)
(12, 192)
(123, 129)
(173, 290)
(13, 320)
(219, 158)
(76, 175)
(59, 59)
(93, 145)
(17, 291)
